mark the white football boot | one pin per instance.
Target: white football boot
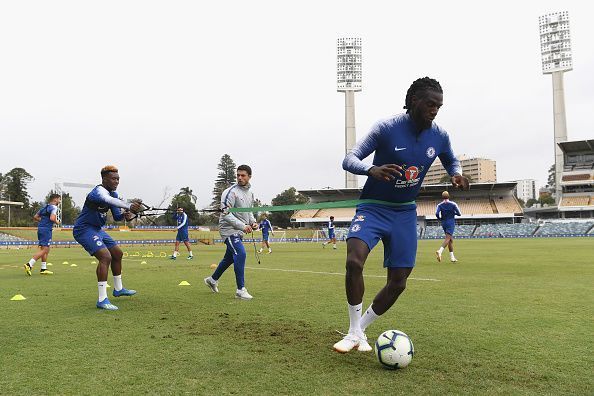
(351, 341)
(212, 284)
(438, 254)
(243, 294)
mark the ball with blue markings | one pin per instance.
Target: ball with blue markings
(394, 349)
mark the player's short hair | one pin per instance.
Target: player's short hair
(180, 208)
(52, 197)
(107, 169)
(331, 217)
(421, 85)
(445, 195)
(245, 168)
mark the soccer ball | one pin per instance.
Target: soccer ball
(394, 349)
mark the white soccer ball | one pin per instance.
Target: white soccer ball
(394, 349)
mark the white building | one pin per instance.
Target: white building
(526, 189)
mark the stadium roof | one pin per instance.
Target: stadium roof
(577, 146)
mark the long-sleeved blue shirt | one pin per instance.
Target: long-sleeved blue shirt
(395, 141)
(447, 210)
(98, 202)
(265, 226)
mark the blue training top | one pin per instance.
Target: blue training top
(182, 221)
(447, 210)
(396, 141)
(265, 226)
(98, 202)
(45, 214)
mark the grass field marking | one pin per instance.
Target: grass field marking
(332, 273)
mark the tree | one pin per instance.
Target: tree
(287, 197)
(530, 203)
(551, 177)
(187, 200)
(521, 202)
(15, 185)
(225, 179)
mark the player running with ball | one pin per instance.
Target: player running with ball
(405, 146)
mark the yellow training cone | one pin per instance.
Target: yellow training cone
(213, 266)
(143, 262)
(73, 265)
(18, 297)
(107, 286)
(49, 264)
(93, 262)
(65, 262)
(184, 283)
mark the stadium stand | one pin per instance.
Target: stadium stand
(305, 213)
(475, 206)
(9, 238)
(516, 230)
(432, 232)
(565, 228)
(487, 230)
(338, 213)
(575, 200)
(507, 205)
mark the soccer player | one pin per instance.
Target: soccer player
(266, 228)
(446, 212)
(331, 234)
(405, 146)
(182, 233)
(87, 232)
(232, 227)
(46, 217)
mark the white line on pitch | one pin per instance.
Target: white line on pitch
(333, 273)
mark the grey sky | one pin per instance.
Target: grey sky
(164, 89)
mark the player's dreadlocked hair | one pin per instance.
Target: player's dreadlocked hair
(419, 85)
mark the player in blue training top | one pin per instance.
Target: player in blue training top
(87, 231)
(331, 234)
(405, 146)
(182, 233)
(47, 217)
(446, 212)
(266, 228)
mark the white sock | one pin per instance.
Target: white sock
(269, 250)
(260, 251)
(334, 246)
(452, 255)
(117, 282)
(355, 318)
(175, 253)
(31, 262)
(191, 255)
(102, 290)
(43, 265)
(440, 250)
(368, 318)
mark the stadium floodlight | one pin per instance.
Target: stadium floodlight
(349, 80)
(555, 47)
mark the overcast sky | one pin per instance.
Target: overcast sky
(163, 89)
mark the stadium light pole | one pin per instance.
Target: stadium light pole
(349, 81)
(555, 47)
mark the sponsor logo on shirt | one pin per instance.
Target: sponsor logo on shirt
(411, 174)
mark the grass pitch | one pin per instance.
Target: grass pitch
(512, 317)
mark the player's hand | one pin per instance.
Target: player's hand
(247, 229)
(136, 207)
(386, 172)
(255, 226)
(460, 182)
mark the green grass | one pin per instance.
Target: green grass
(512, 317)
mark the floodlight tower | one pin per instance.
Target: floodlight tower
(555, 46)
(349, 76)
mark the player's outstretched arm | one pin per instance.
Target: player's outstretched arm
(386, 172)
